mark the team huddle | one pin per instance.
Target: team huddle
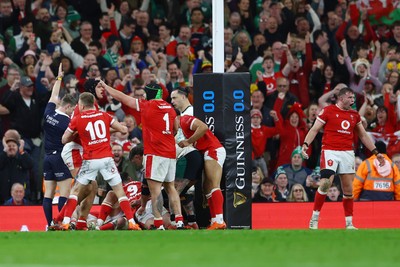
(82, 146)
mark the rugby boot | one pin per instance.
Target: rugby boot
(134, 227)
(350, 226)
(313, 223)
(65, 227)
(217, 226)
(192, 226)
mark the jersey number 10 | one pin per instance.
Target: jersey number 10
(97, 130)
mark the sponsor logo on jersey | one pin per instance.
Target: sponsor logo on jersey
(345, 126)
(164, 107)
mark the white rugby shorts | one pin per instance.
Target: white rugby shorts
(106, 166)
(341, 162)
(218, 154)
(158, 168)
(72, 155)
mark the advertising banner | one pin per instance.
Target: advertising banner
(222, 101)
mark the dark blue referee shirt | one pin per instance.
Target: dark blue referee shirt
(54, 126)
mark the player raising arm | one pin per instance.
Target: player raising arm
(337, 155)
(157, 118)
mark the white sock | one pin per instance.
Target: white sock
(315, 214)
(100, 222)
(349, 219)
(66, 220)
(219, 218)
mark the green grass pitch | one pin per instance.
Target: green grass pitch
(228, 248)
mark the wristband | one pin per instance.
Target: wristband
(59, 78)
(375, 151)
(305, 143)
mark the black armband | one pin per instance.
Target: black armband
(375, 151)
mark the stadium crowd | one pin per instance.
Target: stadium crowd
(299, 53)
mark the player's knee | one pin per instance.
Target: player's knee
(324, 185)
(115, 180)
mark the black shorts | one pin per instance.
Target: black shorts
(54, 168)
(190, 166)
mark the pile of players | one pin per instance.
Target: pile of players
(83, 144)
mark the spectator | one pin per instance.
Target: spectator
(165, 33)
(126, 34)
(95, 48)
(295, 133)
(334, 194)
(235, 23)
(197, 26)
(6, 18)
(272, 33)
(143, 26)
(297, 194)
(112, 54)
(255, 50)
(183, 37)
(259, 135)
(281, 188)
(13, 80)
(72, 24)
(136, 158)
(257, 102)
(296, 173)
(60, 13)
(15, 164)
(256, 178)
(26, 112)
(43, 26)
(81, 44)
(300, 72)
(265, 192)
(322, 79)
(375, 182)
(395, 39)
(104, 25)
(17, 196)
(26, 39)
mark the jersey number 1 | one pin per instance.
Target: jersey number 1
(166, 119)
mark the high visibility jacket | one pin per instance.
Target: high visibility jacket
(370, 185)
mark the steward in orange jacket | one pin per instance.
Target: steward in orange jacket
(373, 182)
